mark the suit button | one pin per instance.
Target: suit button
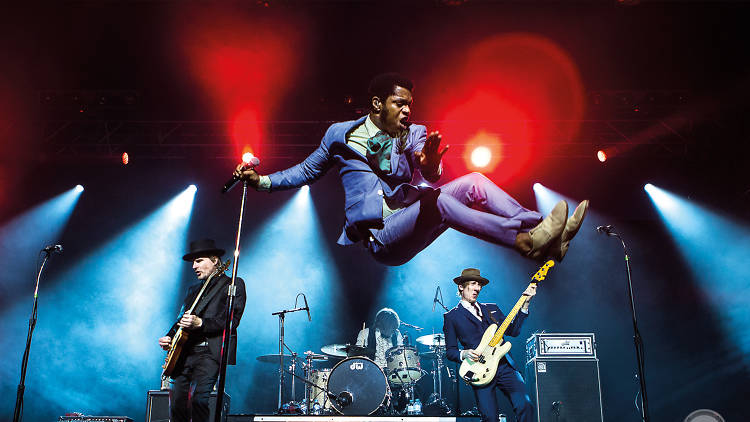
(380, 192)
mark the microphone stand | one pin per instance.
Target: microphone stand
(231, 292)
(636, 333)
(25, 360)
(282, 345)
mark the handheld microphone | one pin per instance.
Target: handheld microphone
(53, 249)
(249, 164)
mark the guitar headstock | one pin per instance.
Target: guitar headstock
(542, 272)
(220, 269)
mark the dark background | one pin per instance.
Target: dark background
(146, 51)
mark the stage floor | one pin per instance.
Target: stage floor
(302, 418)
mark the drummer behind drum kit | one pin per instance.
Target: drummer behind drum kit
(358, 386)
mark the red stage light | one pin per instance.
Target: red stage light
(125, 158)
(601, 155)
(481, 156)
(521, 88)
(245, 62)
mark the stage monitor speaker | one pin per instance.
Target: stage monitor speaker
(565, 390)
(157, 406)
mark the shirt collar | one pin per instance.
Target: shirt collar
(465, 303)
(370, 127)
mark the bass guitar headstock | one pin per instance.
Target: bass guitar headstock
(541, 274)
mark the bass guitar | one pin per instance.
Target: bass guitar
(492, 348)
(181, 336)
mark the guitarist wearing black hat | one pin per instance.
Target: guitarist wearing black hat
(194, 342)
(467, 323)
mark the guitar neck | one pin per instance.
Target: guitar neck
(498, 337)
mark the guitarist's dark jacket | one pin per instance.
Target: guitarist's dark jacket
(459, 324)
(212, 310)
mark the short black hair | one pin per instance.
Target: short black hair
(383, 85)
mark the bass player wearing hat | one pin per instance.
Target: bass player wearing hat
(466, 323)
(196, 366)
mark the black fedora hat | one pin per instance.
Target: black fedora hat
(470, 274)
(203, 247)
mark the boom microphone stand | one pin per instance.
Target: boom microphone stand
(636, 334)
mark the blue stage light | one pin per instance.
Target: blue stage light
(716, 248)
(284, 256)
(78, 188)
(112, 306)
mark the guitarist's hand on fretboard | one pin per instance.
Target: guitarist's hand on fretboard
(529, 293)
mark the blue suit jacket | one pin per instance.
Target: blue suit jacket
(460, 325)
(364, 188)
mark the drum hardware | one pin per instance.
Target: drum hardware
(282, 315)
(436, 404)
(312, 392)
(361, 385)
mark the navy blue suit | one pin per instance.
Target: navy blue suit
(460, 325)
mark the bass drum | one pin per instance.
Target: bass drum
(360, 384)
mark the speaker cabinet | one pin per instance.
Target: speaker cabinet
(157, 406)
(565, 390)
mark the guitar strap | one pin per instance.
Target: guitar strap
(213, 290)
(494, 321)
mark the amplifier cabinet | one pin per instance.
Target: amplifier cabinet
(565, 390)
(157, 406)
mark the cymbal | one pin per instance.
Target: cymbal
(342, 350)
(274, 358)
(432, 339)
(334, 350)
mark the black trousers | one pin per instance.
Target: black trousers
(191, 389)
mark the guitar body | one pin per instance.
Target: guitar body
(174, 352)
(481, 372)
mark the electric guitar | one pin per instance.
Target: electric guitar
(492, 348)
(181, 336)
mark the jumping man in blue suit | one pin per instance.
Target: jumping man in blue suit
(466, 323)
(377, 157)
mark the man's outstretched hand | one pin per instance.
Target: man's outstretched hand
(430, 156)
(248, 175)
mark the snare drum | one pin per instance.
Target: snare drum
(360, 384)
(319, 402)
(402, 365)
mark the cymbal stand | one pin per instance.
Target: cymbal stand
(307, 369)
(436, 398)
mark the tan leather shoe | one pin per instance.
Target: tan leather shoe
(560, 247)
(549, 230)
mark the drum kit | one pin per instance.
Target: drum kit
(356, 385)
